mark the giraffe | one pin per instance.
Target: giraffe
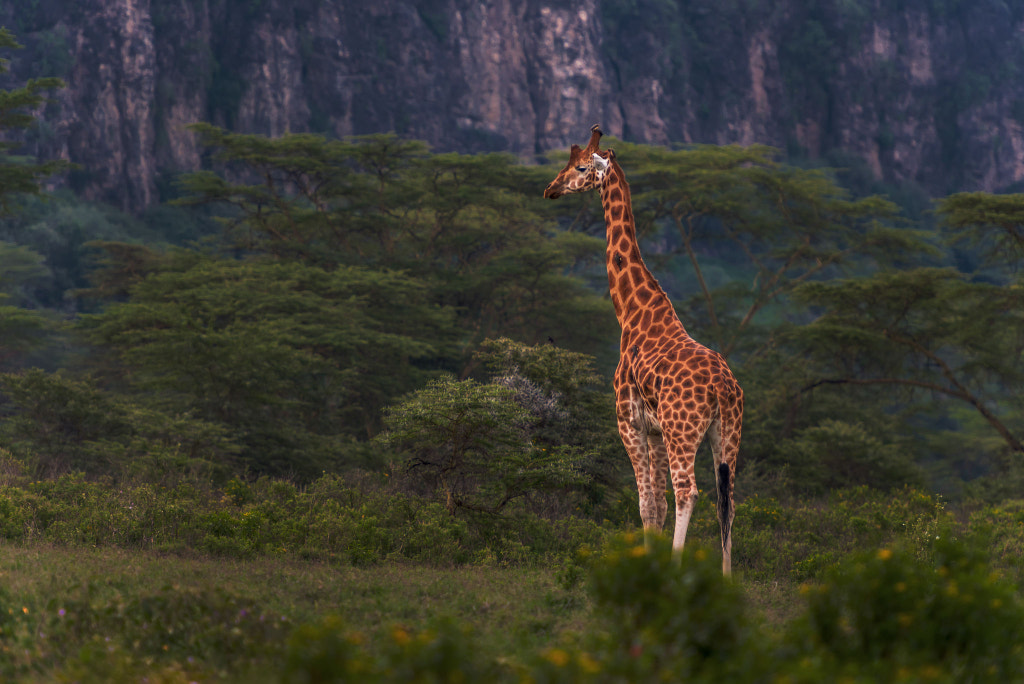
(670, 391)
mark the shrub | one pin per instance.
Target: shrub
(1005, 526)
(670, 617)
(890, 611)
(327, 652)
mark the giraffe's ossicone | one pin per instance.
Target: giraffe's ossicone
(670, 391)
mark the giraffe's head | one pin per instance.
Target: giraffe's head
(585, 171)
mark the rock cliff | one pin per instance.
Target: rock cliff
(924, 91)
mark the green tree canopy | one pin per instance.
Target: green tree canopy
(991, 224)
(19, 175)
(58, 424)
(473, 229)
(750, 229)
(289, 357)
(472, 442)
(923, 331)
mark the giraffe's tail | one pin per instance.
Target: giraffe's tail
(724, 501)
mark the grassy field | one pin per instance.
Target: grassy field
(512, 613)
(271, 583)
(509, 611)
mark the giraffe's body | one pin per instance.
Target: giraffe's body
(670, 391)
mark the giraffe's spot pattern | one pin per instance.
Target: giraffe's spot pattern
(636, 275)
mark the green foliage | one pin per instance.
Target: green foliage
(1003, 524)
(909, 602)
(62, 229)
(24, 329)
(670, 617)
(18, 175)
(572, 407)
(836, 454)
(472, 443)
(886, 612)
(93, 631)
(327, 652)
(471, 228)
(60, 424)
(328, 521)
(288, 358)
(990, 224)
(920, 330)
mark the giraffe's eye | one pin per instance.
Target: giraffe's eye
(581, 169)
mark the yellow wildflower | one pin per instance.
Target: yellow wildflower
(557, 656)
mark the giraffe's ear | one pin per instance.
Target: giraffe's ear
(601, 163)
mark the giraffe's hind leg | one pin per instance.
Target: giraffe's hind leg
(684, 484)
(682, 439)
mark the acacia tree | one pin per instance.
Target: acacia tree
(292, 360)
(473, 229)
(19, 175)
(763, 226)
(924, 330)
(991, 224)
(941, 348)
(472, 442)
(21, 329)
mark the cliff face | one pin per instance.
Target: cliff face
(922, 93)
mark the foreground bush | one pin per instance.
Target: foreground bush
(670, 618)
(96, 633)
(889, 612)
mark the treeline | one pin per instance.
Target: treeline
(315, 305)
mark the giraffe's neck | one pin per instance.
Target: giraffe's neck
(633, 289)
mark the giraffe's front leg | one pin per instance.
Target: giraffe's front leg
(635, 442)
(659, 474)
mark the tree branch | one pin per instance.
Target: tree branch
(959, 393)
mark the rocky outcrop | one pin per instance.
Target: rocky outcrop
(922, 94)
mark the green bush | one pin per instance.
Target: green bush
(670, 617)
(1005, 525)
(889, 611)
(327, 652)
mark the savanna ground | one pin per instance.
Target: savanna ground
(269, 582)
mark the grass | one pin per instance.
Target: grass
(116, 583)
(509, 611)
(102, 612)
(512, 613)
